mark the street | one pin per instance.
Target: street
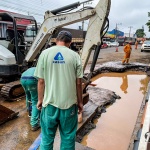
(17, 130)
(110, 54)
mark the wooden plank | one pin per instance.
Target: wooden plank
(89, 111)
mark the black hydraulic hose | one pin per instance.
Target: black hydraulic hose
(98, 47)
(71, 6)
(16, 39)
(63, 12)
(105, 28)
(96, 53)
(36, 28)
(87, 7)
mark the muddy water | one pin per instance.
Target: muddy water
(114, 128)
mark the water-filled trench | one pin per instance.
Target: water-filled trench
(114, 128)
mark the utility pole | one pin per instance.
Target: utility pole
(130, 30)
(116, 31)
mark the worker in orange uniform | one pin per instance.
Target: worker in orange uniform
(136, 44)
(127, 49)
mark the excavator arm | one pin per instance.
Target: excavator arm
(97, 24)
(53, 21)
(95, 30)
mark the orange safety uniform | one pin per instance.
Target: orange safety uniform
(136, 45)
(124, 85)
(127, 50)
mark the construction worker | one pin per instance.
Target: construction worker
(29, 83)
(59, 72)
(127, 49)
(136, 44)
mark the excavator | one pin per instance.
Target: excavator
(12, 52)
(54, 20)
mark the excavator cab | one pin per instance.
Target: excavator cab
(12, 45)
(12, 52)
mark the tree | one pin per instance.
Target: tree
(140, 33)
(148, 24)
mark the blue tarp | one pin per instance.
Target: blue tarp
(116, 32)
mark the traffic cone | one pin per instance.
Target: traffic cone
(116, 49)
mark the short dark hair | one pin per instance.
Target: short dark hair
(64, 36)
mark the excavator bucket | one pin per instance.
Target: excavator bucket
(6, 114)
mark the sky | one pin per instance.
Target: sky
(123, 13)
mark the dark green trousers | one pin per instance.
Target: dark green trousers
(30, 87)
(66, 119)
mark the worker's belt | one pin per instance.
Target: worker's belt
(28, 78)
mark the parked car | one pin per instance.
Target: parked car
(109, 44)
(114, 44)
(145, 46)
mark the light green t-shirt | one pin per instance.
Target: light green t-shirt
(59, 66)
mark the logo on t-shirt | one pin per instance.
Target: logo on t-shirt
(59, 59)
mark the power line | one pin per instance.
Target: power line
(21, 5)
(20, 9)
(30, 6)
(34, 7)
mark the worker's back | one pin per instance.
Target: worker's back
(29, 72)
(60, 70)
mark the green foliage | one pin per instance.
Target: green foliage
(140, 33)
(148, 24)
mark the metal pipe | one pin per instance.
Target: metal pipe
(86, 1)
(74, 5)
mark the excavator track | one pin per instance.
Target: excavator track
(12, 91)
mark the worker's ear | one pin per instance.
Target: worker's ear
(68, 44)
